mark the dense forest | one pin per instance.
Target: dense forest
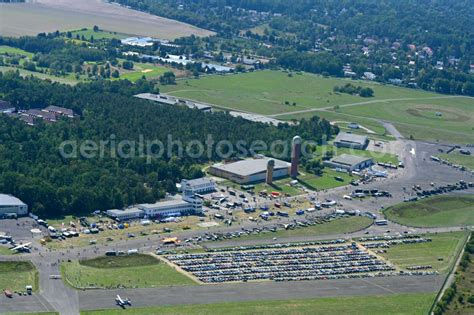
(32, 168)
(425, 43)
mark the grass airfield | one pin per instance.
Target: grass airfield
(436, 211)
(134, 271)
(396, 304)
(277, 94)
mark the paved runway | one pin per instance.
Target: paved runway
(204, 294)
(24, 304)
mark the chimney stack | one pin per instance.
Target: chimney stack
(295, 156)
(270, 166)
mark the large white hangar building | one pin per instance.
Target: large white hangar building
(250, 170)
(10, 205)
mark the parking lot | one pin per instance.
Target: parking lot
(320, 260)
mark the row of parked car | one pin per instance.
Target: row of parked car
(280, 264)
(438, 190)
(388, 244)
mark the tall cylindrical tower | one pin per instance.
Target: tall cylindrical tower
(270, 167)
(295, 156)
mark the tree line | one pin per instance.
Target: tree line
(32, 169)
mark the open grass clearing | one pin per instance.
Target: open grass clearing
(15, 275)
(134, 271)
(436, 211)
(20, 19)
(339, 117)
(327, 180)
(68, 79)
(101, 34)
(446, 119)
(13, 51)
(147, 70)
(440, 253)
(407, 304)
(265, 92)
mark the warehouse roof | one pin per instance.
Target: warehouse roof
(347, 159)
(351, 138)
(166, 203)
(8, 200)
(117, 212)
(250, 166)
(198, 181)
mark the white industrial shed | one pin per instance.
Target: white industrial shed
(249, 170)
(12, 205)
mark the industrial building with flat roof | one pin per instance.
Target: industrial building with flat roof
(249, 170)
(172, 208)
(198, 185)
(350, 140)
(349, 162)
(126, 214)
(11, 205)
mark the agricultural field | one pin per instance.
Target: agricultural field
(135, 271)
(407, 304)
(16, 275)
(265, 92)
(434, 212)
(460, 159)
(20, 19)
(440, 253)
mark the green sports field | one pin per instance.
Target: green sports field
(135, 271)
(406, 304)
(434, 212)
(440, 253)
(16, 275)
